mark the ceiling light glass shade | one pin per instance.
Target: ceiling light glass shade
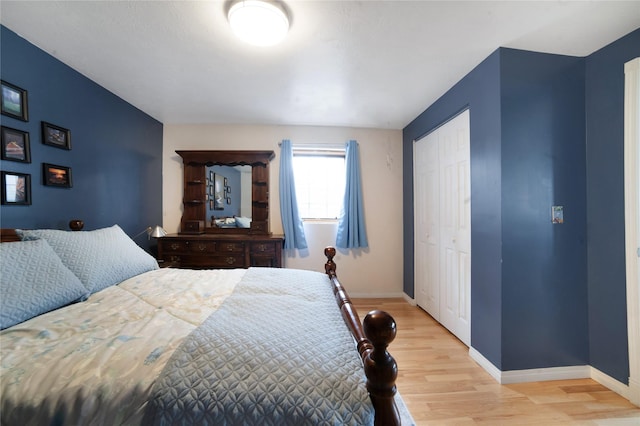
(259, 22)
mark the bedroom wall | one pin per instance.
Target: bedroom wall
(116, 155)
(480, 92)
(605, 205)
(376, 271)
(544, 292)
(528, 288)
(557, 138)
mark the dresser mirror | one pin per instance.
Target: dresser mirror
(225, 192)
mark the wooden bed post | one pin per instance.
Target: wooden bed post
(372, 341)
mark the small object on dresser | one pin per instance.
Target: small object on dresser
(193, 227)
(76, 224)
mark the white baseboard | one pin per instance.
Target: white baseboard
(551, 373)
(545, 374)
(486, 364)
(634, 391)
(409, 300)
(609, 382)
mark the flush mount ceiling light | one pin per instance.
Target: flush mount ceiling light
(259, 22)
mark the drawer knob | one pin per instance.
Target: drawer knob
(175, 246)
(202, 247)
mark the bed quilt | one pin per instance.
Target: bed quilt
(273, 354)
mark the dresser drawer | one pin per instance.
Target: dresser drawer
(266, 248)
(177, 246)
(201, 246)
(228, 261)
(229, 247)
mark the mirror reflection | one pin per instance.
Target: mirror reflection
(228, 196)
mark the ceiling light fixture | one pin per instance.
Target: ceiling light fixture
(259, 22)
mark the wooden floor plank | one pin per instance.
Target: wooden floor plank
(442, 385)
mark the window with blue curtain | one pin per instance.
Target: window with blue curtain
(352, 232)
(294, 237)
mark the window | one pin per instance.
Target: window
(320, 179)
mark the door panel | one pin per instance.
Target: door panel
(443, 225)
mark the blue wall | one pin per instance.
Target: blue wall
(544, 296)
(116, 155)
(480, 91)
(545, 130)
(605, 205)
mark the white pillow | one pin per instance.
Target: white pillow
(100, 258)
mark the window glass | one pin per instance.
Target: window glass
(320, 181)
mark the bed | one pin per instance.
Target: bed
(93, 332)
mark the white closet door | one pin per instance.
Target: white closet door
(427, 225)
(443, 225)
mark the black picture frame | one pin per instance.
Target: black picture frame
(16, 188)
(58, 176)
(57, 136)
(15, 145)
(13, 101)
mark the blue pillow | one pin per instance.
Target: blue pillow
(243, 222)
(34, 281)
(100, 258)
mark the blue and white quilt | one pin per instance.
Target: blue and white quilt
(277, 352)
(173, 346)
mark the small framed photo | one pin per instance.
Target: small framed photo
(14, 101)
(15, 145)
(56, 136)
(228, 200)
(59, 176)
(228, 190)
(211, 175)
(16, 188)
(226, 182)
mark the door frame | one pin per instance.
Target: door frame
(632, 225)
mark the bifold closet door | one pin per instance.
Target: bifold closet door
(443, 225)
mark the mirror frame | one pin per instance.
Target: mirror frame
(195, 163)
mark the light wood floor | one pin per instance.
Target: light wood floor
(442, 385)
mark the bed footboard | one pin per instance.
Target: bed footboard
(372, 340)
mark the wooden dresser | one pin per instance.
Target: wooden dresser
(220, 251)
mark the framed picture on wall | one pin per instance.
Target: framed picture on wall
(14, 101)
(15, 145)
(59, 176)
(16, 188)
(57, 136)
(218, 192)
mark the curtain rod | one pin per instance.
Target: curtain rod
(310, 145)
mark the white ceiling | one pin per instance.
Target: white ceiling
(371, 64)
